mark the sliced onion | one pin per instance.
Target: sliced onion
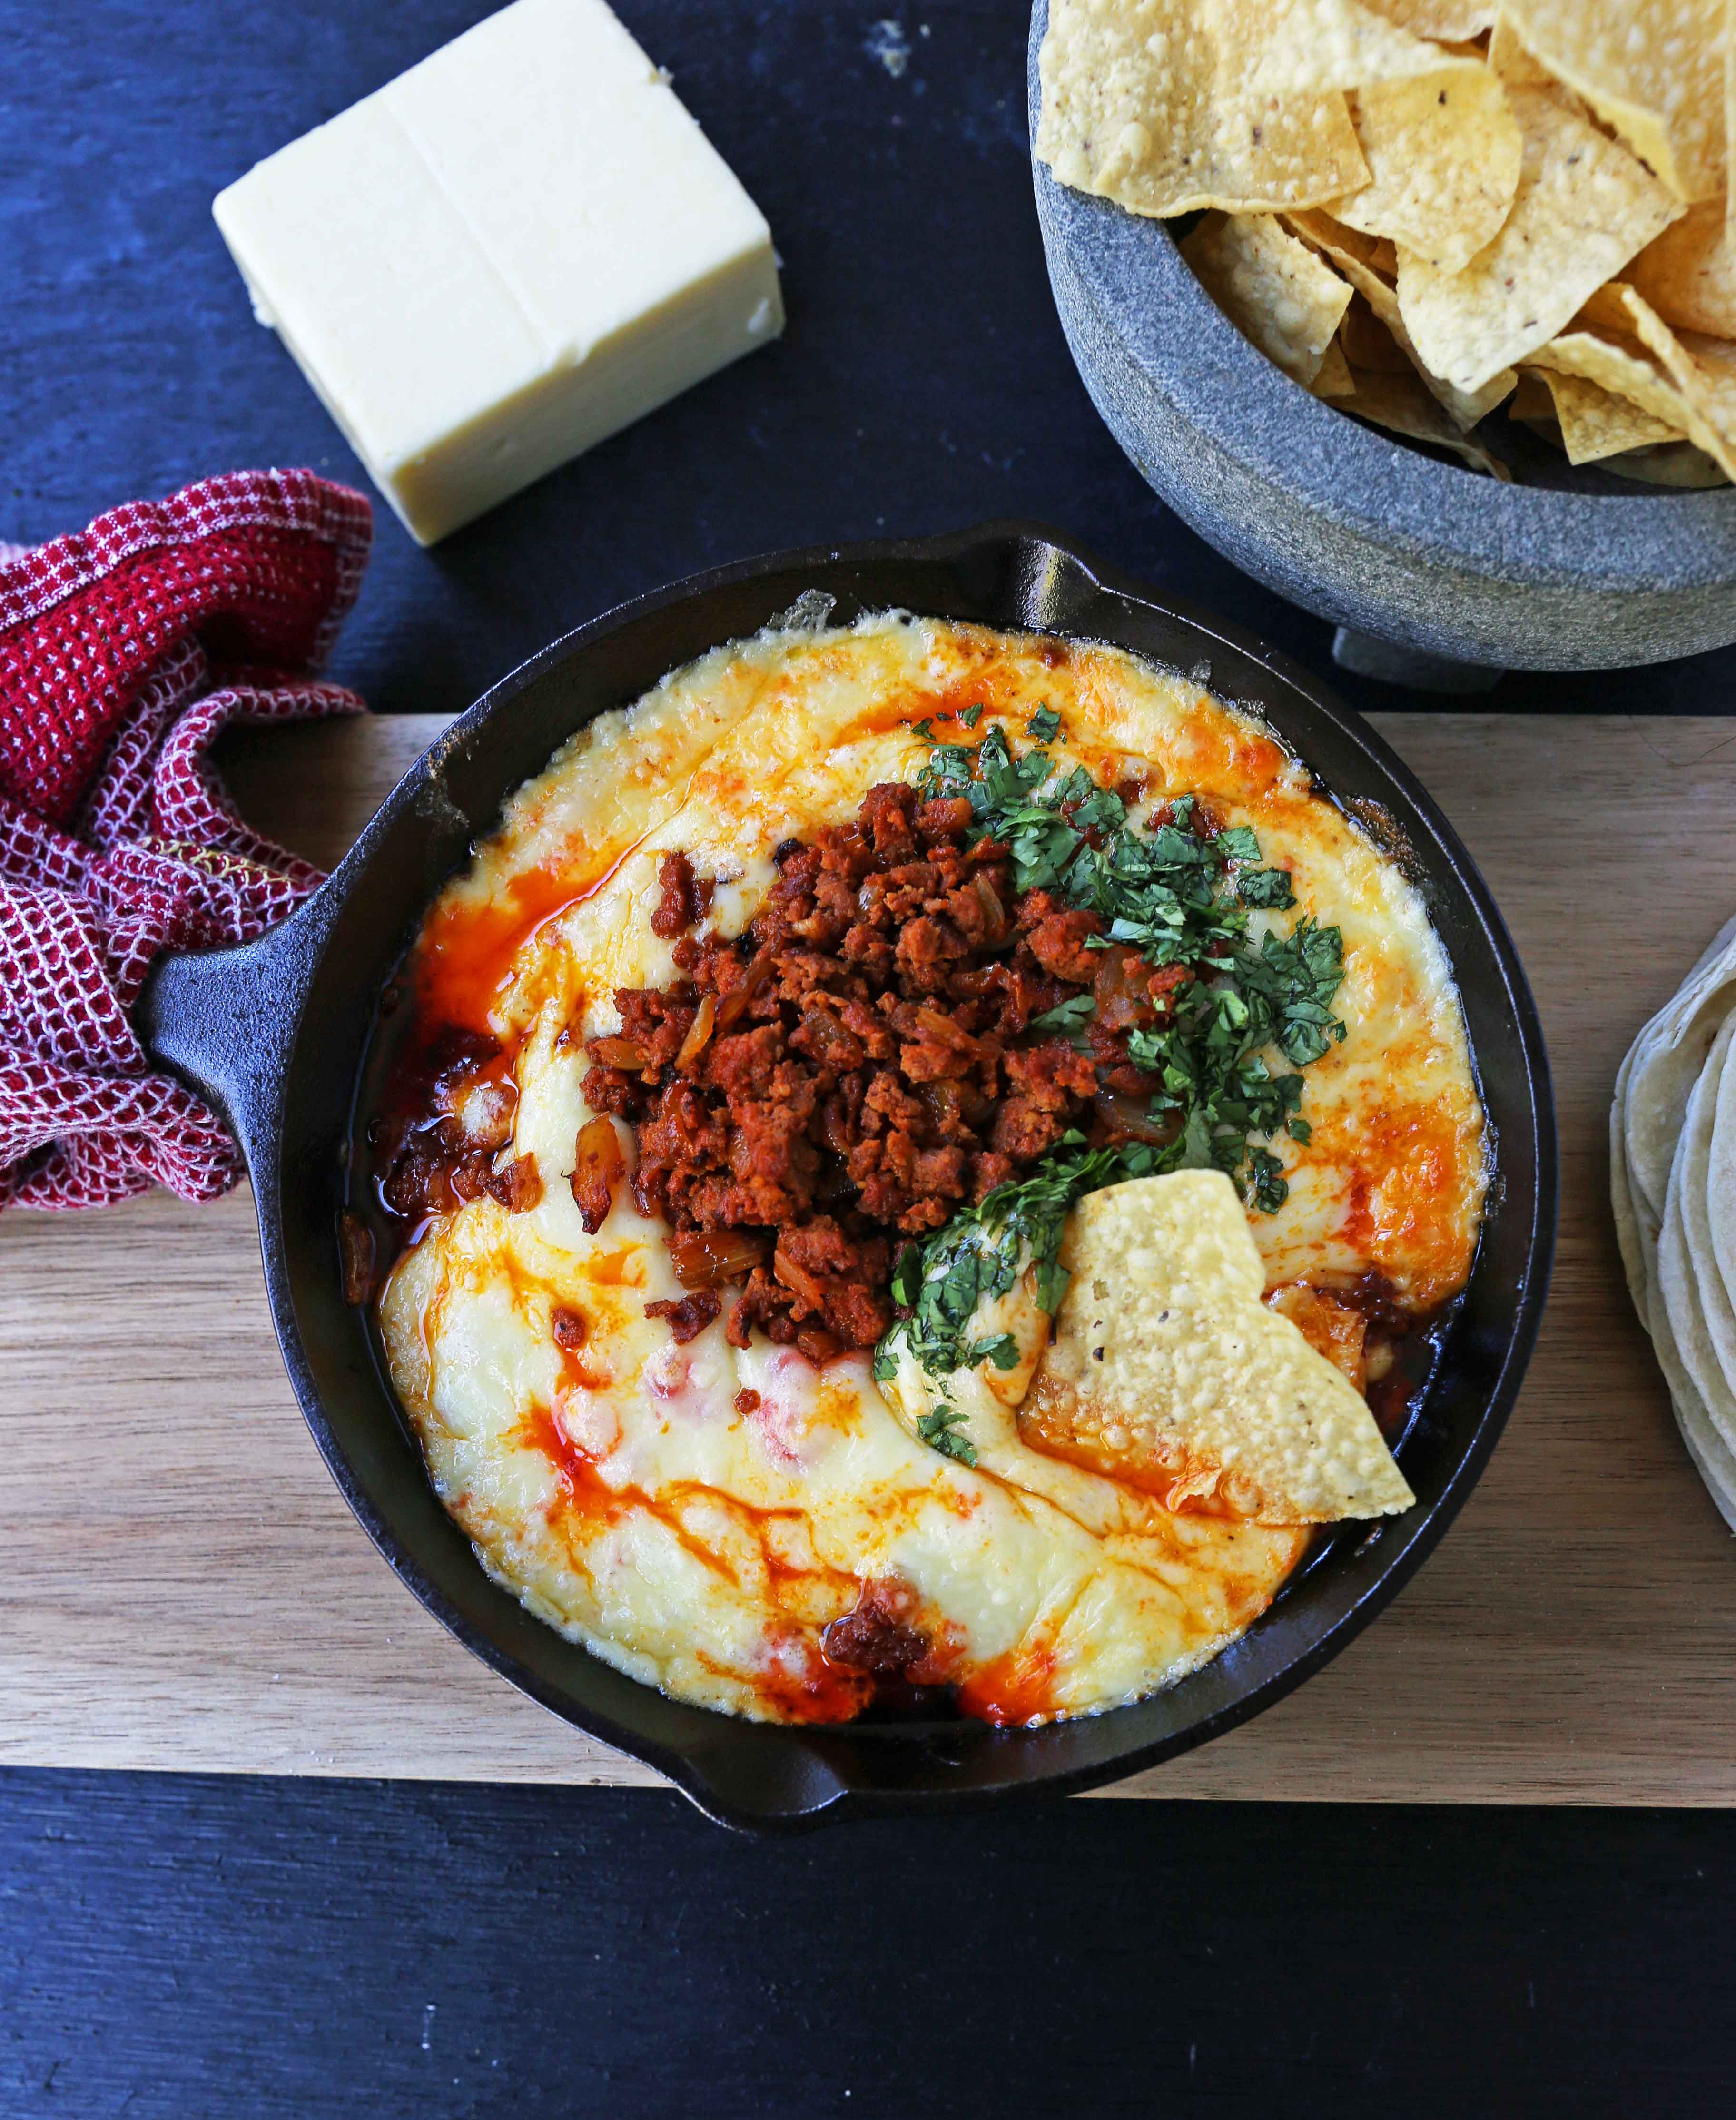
(1129, 1116)
(599, 1167)
(694, 1044)
(944, 1031)
(706, 1259)
(798, 1278)
(734, 1006)
(989, 899)
(620, 1052)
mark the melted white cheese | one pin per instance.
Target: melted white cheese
(697, 1514)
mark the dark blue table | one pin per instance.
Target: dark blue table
(923, 383)
(189, 1947)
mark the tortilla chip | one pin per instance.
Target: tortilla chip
(1703, 370)
(1368, 343)
(1288, 45)
(1167, 1370)
(1688, 273)
(1444, 152)
(1333, 378)
(1677, 464)
(1532, 402)
(1140, 105)
(1584, 205)
(1618, 364)
(1512, 59)
(1346, 249)
(1455, 20)
(1401, 404)
(1653, 72)
(1274, 290)
(1597, 423)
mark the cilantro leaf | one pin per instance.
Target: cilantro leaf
(939, 1430)
(1045, 725)
(1072, 1014)
(1003, 1349)
(971, 716)
(1266, 886)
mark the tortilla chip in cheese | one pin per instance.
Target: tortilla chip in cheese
(1168, 1371)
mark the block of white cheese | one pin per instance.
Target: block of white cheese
(512, 250)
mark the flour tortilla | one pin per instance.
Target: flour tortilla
(1700, 1204)
(1721, 1182)
(1708, 1449)
(1695, 1333)
(1702, 1430)
(1634, 1263)
(1667, 1056)
(1712, 1458)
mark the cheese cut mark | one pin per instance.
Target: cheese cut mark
(1167, 1371)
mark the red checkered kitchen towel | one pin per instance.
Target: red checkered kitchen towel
(124, 648)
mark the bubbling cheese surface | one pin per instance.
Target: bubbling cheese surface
(697, 1514)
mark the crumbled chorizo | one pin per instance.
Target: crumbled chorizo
(690, 1316)
(677, 906)
(863, 1063)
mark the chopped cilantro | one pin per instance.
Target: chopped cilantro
(1266, 886)
(1181, 898)
(925, 729)
(1002, 1350)
(971, 716)
(1045, 725)
(1070, 1015)
(939, 1430)
(982, 1251)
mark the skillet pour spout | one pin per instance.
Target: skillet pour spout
(277, 1036)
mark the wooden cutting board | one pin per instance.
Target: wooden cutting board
(183, 1587)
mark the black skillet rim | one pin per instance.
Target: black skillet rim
(848, 1800)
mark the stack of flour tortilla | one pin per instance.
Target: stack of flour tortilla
(1672, 1184)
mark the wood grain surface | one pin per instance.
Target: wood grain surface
(184, 1587)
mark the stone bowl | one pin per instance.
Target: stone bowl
(1422, 565)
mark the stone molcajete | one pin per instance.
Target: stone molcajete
(1435, 576)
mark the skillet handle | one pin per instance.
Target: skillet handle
(224, 1020)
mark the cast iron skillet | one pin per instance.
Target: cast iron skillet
(275, 1035)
